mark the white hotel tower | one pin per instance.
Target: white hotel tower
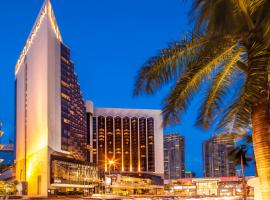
(50, 113)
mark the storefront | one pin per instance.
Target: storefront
(127, 185)
(229, 186)
(185, 189)
(69, 176)
(206, 187)
(221, 187)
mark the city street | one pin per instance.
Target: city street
(147, 198)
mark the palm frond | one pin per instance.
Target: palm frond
(207, 16)
(256, 5)
(236, 116)
(239, 153)
(161, 69)
(236, 119)
(256, 86)
(244, 8)
(263, 20)
(198, 71)
(221, 85)
(231, 136)
(243, 66)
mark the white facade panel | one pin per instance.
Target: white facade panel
(37, 91)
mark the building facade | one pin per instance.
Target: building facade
(174, 156)
(50, 114)
(205, 187)
(132, 138)
(215, 158)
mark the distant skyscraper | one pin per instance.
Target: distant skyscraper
(131, 137)
(51, 119)
(7, 154)
(174, 156)
(215, 158)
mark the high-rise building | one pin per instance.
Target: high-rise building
(174, 156)
(51, 124)
(132, 138)
(7, 169)
(6, 159)
(6, 155)
(215, 158)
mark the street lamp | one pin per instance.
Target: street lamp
(109, 180)
(89, 148)
(111, 162)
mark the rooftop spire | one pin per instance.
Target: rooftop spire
(46, 12)
(52, 19)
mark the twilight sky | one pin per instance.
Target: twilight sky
(109, 42)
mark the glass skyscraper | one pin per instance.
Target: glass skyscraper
(73, 112)
(215, 158)
(174, 156)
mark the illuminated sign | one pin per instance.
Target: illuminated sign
(230, 178)
(57, 181)
(46, 9)
(108, 181)
(184, 187)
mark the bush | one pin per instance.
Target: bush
(8, 187)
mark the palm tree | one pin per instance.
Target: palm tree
(239, 156)
(228, 53)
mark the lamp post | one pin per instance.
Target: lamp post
(90, 149)
(111, 162)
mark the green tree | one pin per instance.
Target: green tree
(228, 52)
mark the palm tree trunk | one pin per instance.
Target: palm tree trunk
(261, 142)
(243, 179)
